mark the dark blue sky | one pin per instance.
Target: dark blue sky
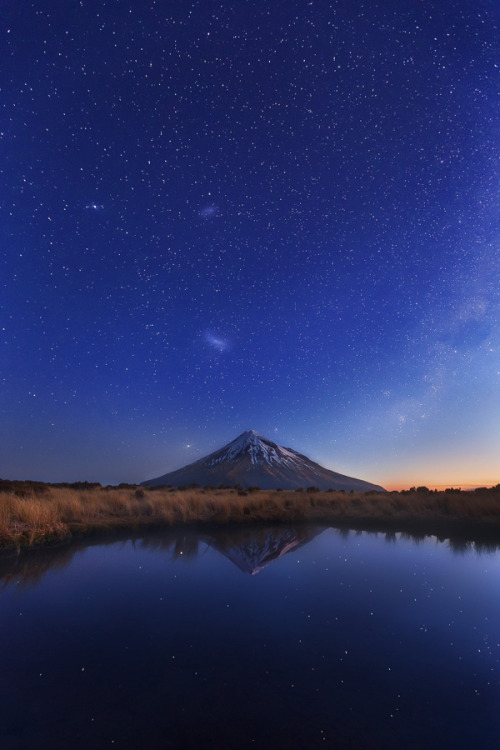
(218, 216)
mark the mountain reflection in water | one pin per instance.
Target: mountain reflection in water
(250, 547)
(251, 550)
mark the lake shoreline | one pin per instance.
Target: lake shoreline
(34, 515)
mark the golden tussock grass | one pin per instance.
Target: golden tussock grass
(32, 513)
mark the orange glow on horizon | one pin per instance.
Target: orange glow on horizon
(398, 486)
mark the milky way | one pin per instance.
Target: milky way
(313, 182)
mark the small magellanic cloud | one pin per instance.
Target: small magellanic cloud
(208, 212)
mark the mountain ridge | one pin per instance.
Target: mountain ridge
(252, 459)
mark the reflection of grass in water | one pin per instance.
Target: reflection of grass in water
(34, 513)
(28, 571)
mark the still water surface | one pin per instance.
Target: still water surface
(259, 638)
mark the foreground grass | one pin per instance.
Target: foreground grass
(35, 513)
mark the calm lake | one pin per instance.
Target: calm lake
(274, 637)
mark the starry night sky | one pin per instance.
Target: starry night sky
(223, 215)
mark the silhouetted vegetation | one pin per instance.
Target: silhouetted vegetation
(34, 513)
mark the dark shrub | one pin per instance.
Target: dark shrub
(80, 485)
(312, 489)
(23, 488)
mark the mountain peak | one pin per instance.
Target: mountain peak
(251, 444)
(250, 435)
(252, 459)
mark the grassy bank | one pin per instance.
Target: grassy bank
(34, 513)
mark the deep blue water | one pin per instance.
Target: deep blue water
(350, 640)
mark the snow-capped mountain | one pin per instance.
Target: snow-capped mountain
(254, 460)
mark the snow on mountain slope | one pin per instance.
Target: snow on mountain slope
(258, 448)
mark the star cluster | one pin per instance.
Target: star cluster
(217, 216)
